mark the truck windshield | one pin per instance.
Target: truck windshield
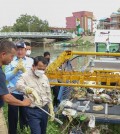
(102, 47)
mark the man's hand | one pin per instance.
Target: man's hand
(19, 67)
(26, 102)
(10, 99)
(50, 106)
(34, 93)
(29, 90)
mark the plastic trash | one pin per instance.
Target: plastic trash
(91, 123)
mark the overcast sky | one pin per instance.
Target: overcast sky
(54, 11)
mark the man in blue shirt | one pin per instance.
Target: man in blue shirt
(7, 52)
(13, 71)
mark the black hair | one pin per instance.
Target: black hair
(27, 44)
(6, 46)
(46, 53)
(40, 58)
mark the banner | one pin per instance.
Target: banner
(78, 26)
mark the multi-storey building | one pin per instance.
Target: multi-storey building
(86, 20)
(110, 23)
(104, 23)
(115, 20)
(95, 24)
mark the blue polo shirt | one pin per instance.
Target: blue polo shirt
(3, 87)
(13, 78)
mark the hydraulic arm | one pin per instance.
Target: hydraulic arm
(82, 79)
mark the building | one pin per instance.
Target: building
(115, 20)
(104, 23)
(95, 24)
(86, 20)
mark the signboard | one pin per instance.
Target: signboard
(113, 36)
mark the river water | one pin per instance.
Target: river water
(56, 50)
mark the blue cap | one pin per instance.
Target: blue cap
(21, 44)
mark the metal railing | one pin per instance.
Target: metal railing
(36, 35)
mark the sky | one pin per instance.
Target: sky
(54, 11)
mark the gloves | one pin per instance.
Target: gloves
(19, 67)
(29, 90)
(50, 106)
(34, 93)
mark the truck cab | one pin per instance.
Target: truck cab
(107, 38)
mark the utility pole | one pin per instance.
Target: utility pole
(29, 26)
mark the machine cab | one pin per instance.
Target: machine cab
(107, 41)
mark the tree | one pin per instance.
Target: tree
(6, 29)
(28, 23)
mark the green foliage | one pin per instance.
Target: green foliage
(80, 42)
(53, 128)
(27, 23)
(87, 43)
(25, 131)
(115, 128)
(7, 29)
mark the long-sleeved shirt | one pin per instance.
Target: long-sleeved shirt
(13, 78)
(40, 85)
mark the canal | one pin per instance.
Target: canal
(56, 50)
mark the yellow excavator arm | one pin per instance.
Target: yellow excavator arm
(83, 79)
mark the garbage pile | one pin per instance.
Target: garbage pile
(97, 96)
(78, 105)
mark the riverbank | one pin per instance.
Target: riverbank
(77, 41)
(84, 38)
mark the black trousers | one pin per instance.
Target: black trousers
(13, 113)
(55, 90)
(37, 119)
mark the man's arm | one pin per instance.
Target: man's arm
(13, 101)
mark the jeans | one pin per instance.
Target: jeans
(37, 120)
(13, 112)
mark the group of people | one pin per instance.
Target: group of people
(25, 87)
